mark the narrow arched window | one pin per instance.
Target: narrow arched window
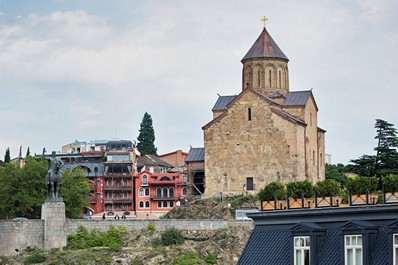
(158, 192)
(141, 204)
(280, 79)
(146, 204)
(310, 118)
(258, 78)
(313, 157)
(249, 114)
(171, 192)
(270, 78)
(165, 192)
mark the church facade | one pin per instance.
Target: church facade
(267, 132)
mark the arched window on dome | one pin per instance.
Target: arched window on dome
(258, 78)
(270, 78)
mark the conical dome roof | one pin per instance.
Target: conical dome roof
(265, 47)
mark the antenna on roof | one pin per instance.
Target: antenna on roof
(218, 94)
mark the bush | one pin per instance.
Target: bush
(211, 258)
(172, 236)
(274, 188)
(35, 258)
(187, 259)
(151, 228)
(3, 260)
(295, 189)
(358, 185)
(239, 200)
(390, 183)
(327, 186)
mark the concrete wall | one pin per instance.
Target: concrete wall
(21, 234)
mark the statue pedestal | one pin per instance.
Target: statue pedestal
(53, 214)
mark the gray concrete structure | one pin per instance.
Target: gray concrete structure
(21, 234)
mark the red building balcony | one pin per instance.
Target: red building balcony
(116, 188)
(162, 198)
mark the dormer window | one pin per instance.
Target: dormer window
(144, 180)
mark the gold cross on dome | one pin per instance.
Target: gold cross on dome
(265, 20)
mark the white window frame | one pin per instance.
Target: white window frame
(351, 243)
(141, 192)
(144, 180)
(302, 246)
(395, 249)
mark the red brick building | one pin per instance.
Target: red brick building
(158, 193)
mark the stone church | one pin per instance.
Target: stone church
(267, 132)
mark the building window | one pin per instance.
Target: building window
(249, 114)
(126, 194)
(249, 184)
(270, 78)
(144, 180)
(184, 193)
(310, 118)
(171, 192)
(165, 192)
(171, 204)
(280, 79)
(353, 249)
(98, 195)
(158, 192)
(141, 204)
(159, 204)
(141, 192)
(165, 204)
(147, 204)
(98, 183)
(302, 250)
(313, 157)
(125, 183)
(259, 78)
(109, 183)
(147, 192)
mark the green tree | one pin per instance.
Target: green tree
(336, 172)
(146, 137)
(23, 190)
(27, 152)
(386, 151)
(274, 188)
(74, 191)
(7, 157)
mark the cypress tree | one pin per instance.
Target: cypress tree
(27, 152)
(146, 137)
(7, 157)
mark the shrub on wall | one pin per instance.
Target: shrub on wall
(358, 185)
(327, 186)
(267, 193)
(85, 239)
(295, 189)
(172, 236)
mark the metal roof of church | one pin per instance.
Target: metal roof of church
(222, 102)
(297, 98)
(196, 154)
(265, 47)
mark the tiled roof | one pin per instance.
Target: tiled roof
(265, 47)
(297, 98)
(222, 102)
(152, 160)
(196, 154)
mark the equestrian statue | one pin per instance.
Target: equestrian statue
(54, 176)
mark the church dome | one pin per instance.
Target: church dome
(264, 47)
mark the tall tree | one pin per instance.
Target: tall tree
(27, 152)
(146, 137)
(7, 157)
(385, 161)
(386, 151)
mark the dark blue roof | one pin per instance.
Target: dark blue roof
(222, 102)
(297, 98)
(196, 154)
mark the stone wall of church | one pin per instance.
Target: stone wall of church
(237, 148)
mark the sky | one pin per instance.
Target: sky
(89, 70)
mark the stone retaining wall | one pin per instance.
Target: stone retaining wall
(21, 234)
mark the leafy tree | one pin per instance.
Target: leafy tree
(74, 191)
(358, 185)
(386, 152)
(7, 157)
(146, 137)
(327, 186)
(295, 189)
(385, 161)
(23, 190)
(267, 193)
(336, 172)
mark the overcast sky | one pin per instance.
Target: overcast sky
(88, 70)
